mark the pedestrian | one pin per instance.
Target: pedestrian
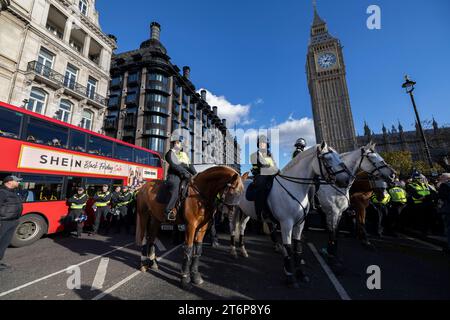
(379, 201)
(10, 211)
(124, 200)
(77, 211)
(444, 207)
(101, 206)
(397, 204)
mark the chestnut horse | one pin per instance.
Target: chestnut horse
(196, 213)
(360, 194)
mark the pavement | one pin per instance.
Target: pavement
(106, 267)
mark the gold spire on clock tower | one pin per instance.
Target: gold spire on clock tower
(325, 68)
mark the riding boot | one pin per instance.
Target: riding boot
(195, 274)
(289, 267)
(186, 266)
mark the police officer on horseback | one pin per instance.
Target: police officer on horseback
(180, 171)
(300, 146)
(264, 171)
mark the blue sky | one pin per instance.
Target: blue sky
(250, 54)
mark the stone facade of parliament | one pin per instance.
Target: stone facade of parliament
(397, 139)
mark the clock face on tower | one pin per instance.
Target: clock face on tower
(327, 60)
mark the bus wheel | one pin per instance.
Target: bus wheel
(30, 229)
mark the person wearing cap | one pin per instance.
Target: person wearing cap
(10, 211)
(179, 172)
(102, 200)
(379, 201)
(77, 214)
(124, 200)
(264, 171)
(399, 199)
(444, 207)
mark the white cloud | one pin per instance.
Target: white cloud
(292, 129)
(234, 113)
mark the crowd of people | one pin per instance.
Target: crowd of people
(112, 208)
(416, 204)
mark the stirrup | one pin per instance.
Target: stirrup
(171, 216)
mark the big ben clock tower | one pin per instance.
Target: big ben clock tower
(325, 68)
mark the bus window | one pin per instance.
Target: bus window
(155, 161)
(43, 132)
(72, 185)
(41, 188)
(123, 152)
(10, 124)
(94, 185)
(141, 156)
(99, 146)
(77, 141)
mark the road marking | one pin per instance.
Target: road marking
(60, 271)
(99, 278)
(430, 245)
(130, 277)
(337, 285)
(160, 245)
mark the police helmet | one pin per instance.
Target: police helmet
(381, 184)
(301, 143)
(175, 138)
(263, 139)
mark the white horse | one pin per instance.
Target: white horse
(334, 200)
(289, 203)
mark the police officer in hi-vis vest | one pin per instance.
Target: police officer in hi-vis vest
(124, 201)
(398, 202)
(264, 171)
(102, 201)
(380, 200)
(421, 204)
(77, 214)
(180, 171)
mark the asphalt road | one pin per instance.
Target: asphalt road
(107, 268)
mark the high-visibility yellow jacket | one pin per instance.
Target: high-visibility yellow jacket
(398, 195)
(384, 201)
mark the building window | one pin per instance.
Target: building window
(71, 77)
(156, 144)
(157, 98)
(133, 77)
(83, 6)
(45, 62)
(91, 88)
(36, 103)
(64, 111)
(10, 123)
(158, 77)
(86, 119)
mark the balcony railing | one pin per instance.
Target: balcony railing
(63, 81)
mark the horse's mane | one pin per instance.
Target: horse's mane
(305, 154)
(211, 175)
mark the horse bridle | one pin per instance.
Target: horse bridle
(331, 171)
(227, 188)
(377, 165)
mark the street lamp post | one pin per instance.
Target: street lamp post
(409, 86)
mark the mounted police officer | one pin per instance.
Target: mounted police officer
(179, 172)
(264, 171)
(124, 201)
(77, 211)
(300, 146)
(102, 201)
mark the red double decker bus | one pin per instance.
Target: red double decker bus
(53, 158)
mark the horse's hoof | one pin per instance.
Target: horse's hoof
(197, 279)
(278, 248)
(368, 245)
(233, 252)
(244, 252)
(154, 265)
(186, 283)
(143, 269)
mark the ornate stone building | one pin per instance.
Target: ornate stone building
(149, 99)
(325, 69)
(396, 139)
(55, 60)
